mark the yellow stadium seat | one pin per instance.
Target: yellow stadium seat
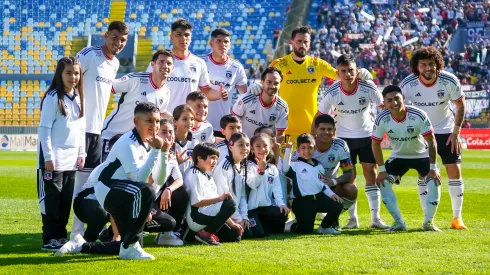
(239, 41)
(12, 20)
(8, 122)
(98, 25)
(143, 29)
(199, 15)
(17, 47)
(249, 61)
(154, 29)
(17, 62)
(69, 29)
(8, 112)
(58, 24)
(133, 15)
(227, 23)
(30, 38)
(207, 28)
(17, 38)
(31, 94)
(105, 20)
(251, 10)
(41, 24)
(175, 11)
(161, 47)
(15, 123)
(37, 112)
(37, 71)
(23, 123)
(271, 14)
(256, 61)
(163, 16)
(249, 28)
(6, 33)
(252, 37)
(221, 24)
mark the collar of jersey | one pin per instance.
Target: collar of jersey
(400, 121)
(352, 93)
(153, 83)
(218, 63)
(428, 86)
(105, 55)
(329, 147)
(140, 141)
(184, 57)
(188, 138)
(263, 104)
(315, 162)
(204, 173)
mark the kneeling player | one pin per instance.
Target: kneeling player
(407, 127)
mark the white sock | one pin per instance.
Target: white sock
(353, 211)
(80, 179)
(389, 199)
(456, 190)
(348, 204)
(422, 188)
(433, 198)
(373, 195)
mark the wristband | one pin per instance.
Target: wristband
(382, 168)
(260, 171)
(433, 166)
(168, 188)
(457, 130)
(334, 182)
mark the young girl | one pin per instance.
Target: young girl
(185, 142)
(61, 149)
(230, 176)
(267, 211)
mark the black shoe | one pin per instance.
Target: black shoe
(63, 241)
(207, 238)
(53, 246)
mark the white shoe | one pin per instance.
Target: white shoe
(320, 216)
(73, 246)
(329, 231)
(169, 239)
(429, 226)
(289, 224)
(134, 252)
(352, 224)
(397, 226)
(379, 223)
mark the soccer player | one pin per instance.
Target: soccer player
(230, 124)
(432, 89)
(190, 73)
(135, 88)
(61, 149)
(264, 109)
(202, 130)
(223, 71)
(407, 127)
(352, 99)
(99, 65)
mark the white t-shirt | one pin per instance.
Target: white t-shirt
(190, 75)
(406, 135)
(253, 113)
(204, 133)
(188, 144)
(99, 71)
(172, 172)
(61, 138)
(230, 74)
(134, 88)
(201, 185)
(434, 100)
(353, 112)
(265, 189)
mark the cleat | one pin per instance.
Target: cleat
(53, 246)
(169, 239)
(73, 246)
(327, 231)
(288, 227)
(207, 238)
(429, 226)
(337, 227)
(457, 223)
(134, 252)
(397, 226)
(352, 224)
(379, 224)
(320, 216)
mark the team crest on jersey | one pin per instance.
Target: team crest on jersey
(160, 100)
(193, 68)
(272, 117)
(124, 78)
(440, 93)
(311, 69)
(331, 159)
(48, 176)
(229, 74)
(410, 129)
(270, 179)
(203, 137)
(362, 100)
(189, 152)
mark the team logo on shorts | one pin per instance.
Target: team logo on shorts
(331, 158)
(410, 129)
(252, 222)
(229, 74)
(203, 137)
(362, 100)
(270, 179)
(48, 176)
(193, 68)
(440, 93)
(272, 117)
(311, 69)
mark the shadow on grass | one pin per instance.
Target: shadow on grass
(50, 259)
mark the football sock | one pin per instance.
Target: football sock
(389, 199)
(456, 190)
(422, 189)
(373, 194)
(353, 210)
(348, 204)
(433, 198)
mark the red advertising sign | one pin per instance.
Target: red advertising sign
(478, 138)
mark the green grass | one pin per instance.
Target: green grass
(355, 251)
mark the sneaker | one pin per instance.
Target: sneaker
(73, 246)
(457, 223)
(169, 239)
(320, 216)
(134, 252)
(207, 238)
(379, 223)
(289, 226)
(53, 246)
(330, 230)
(63, 241)
(352, 224)
(429, 226)
(397, 226)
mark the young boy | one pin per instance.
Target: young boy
(203, 130)
(230, 124)
(310, 194)
(208, 212)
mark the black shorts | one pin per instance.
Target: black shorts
(445, 150)
(92, 147)
(360, 147)
(218, 134)
(399, 167)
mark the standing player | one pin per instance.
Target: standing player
(352, 99)
(264, 109)
(223, 71)
(432, 89)
(135, 88)
(407, 127)
(99, 65)
(190, 73)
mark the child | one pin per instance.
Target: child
(231, 176)
(267, 211)
(230, 124)
(311, 195)
(203, 130)
(207, 211)
(185, 141)
(61, 149)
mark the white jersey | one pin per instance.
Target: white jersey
(254, 113)
(223, 176)
(306, 178)
(204, 133)
(406, 135)
(230, 74)
(61, 138)
(434, 100)
(188, 144)
(134, 88)
(201, 185)
(265, 189)
(99, 71)
(189, 75)
(223, 150)
(172, 172)
(353, 112)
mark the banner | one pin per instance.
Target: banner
(478, 138)
(18, 142)
(380, 2)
